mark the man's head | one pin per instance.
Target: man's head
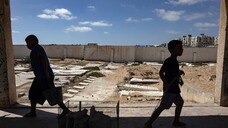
(31, 41)
(175, 47)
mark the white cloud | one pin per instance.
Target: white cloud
(172, 32)
(194, 16)
(13, 19)
(205, 25)
(61, 13)
(78, 29)
(169, 15)
(92, 8)
(106, 32)
(45, 16)
(96, 23)
(13, 31)
(184, 2)
(130, 19)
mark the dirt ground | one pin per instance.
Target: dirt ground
(202, 77)
(199, 75)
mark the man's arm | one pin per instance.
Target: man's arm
(162, 76)
(45, 66)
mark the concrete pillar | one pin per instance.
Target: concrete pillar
(7, 76)
(221, 89)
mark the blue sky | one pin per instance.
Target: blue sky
(113, 22)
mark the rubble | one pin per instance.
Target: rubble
(145, 81)
(136, 87)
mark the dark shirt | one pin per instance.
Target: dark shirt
(171, 70)
(36, 54)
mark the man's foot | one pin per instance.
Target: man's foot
(64, 113)
(30, 114)
(178, 124)
(147, 125)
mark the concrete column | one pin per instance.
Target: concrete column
(7, 76)
(221, 89)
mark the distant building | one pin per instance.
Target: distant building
(199, 41)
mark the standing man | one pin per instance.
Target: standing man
(44, 76)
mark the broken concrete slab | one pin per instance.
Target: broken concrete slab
(94, 65)
(80, 72)
(68, 95)
(83, 84)
(145, 93)
(87, 81)
(136, 87)
(105, 71)
(152, 63)
(124, 93)
(68, 67)
(61, 83)
(144, 81)
(114, 66)
(91, 79)
(211, 64)
(72, 91)
(22, 69)
(133, 63)
(79, 87)
(64, 81)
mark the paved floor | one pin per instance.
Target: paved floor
(131, 116)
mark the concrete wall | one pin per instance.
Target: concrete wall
(120, 53)
(151, 54)
(194, 94)
(65, 51)
(110, 53)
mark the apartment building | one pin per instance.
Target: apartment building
(199, 41)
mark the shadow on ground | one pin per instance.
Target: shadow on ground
(166, 122)
(125, 122)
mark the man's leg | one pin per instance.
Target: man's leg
(33, 106)
(153, 117)
(64, 108)
(179, 104)
(177, 113)
(32, 112)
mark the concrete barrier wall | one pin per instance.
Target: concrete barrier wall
(199, 55)
(21, 51)
(156, 54)
(65, 51)
(110, 53)
(120, 53)
(189, 55)
(194, 94)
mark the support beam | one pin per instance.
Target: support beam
(221, 89)
(7, 76)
